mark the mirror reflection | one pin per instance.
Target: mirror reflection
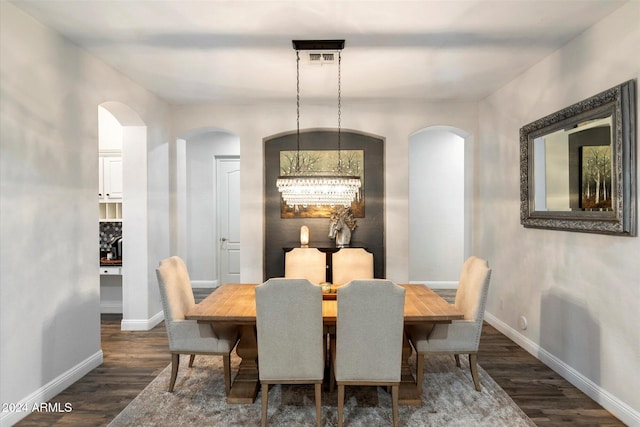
(572, 168)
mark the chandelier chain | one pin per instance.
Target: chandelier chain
(307, 187)
(339, 111)
(298, 110)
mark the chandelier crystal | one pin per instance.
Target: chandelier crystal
(317, 189)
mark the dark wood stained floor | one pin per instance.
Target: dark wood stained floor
(133, 359)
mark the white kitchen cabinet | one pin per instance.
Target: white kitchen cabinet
(110, 270)
(110, 186)
(110, 178)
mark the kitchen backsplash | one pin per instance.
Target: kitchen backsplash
(109, 230)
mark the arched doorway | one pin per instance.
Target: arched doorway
(439, 212)
(208, 164)
(136, 287)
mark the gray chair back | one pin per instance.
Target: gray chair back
(369, 331)
(290, 331)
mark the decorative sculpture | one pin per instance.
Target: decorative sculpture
(341, 224)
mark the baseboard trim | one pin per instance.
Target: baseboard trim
(204, 283)
(141, 324)
(52, 389)
(608, 401)
(436, 285)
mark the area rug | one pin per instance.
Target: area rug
(448, 399)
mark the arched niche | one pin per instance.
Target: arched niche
(283, 233)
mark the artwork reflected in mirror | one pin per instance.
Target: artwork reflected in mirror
(578, 166)
(573, 168)
(595, 180)
(322, 162)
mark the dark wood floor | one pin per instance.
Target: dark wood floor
(133, 359)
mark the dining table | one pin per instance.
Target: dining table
(235, 304)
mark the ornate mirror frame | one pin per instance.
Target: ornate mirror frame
(617, 106)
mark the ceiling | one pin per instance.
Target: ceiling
(240, 51)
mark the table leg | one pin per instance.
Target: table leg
(408, 393)
(246, 383)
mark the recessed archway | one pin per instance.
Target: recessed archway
(283, 232)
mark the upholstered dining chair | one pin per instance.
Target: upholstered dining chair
(367, 349)
(306, 263)
(351, 264)
(460, 336)
(290, 337)
(189, 336)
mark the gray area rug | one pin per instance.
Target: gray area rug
(448, 399)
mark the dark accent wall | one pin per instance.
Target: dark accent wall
(285, 233)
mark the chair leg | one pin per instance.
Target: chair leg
(175, 362)
(394, 403)
(332, 374)
(327, 357)
(226, 362)
(324, 347)
(265, 398)
(419, 372)
(457, 357)
(473, 363)
(191, 359)
(319, 403)
(340, 403)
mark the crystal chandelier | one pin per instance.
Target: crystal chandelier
(332, 188)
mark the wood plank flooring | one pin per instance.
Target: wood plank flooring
(133, 359)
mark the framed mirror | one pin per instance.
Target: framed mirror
(578, 166)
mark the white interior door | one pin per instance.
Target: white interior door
(228, 207)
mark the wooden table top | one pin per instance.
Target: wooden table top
(236, 303)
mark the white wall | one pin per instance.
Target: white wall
(394, 122)
(49, 292)
(436, 207)
(136, 285)
(579, 292)
(109, 131)
(201, 151)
